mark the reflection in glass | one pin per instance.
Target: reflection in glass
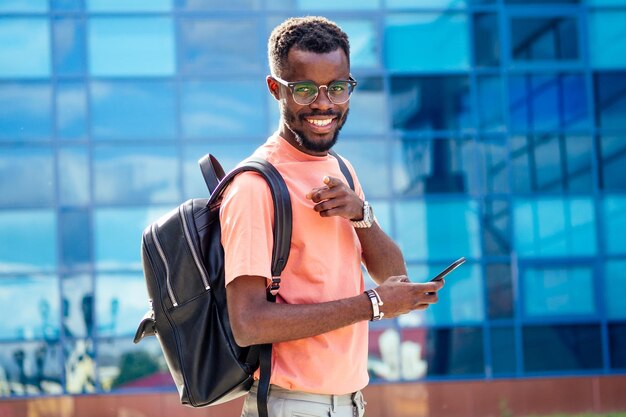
(20, 248)
(435, 166)
(486, 39)
(490, 105)
(493, 165)
(117, 235)
(430, 103)
(562, 347)
(212, 5)
(124, 365)
(66, 5)
(496, 222)
(36, 298)
(129, 5)
(617, 345)
(137, 174)
(225, 50)
(363, 42)
(612, 162)
(126, 46)
(73, 172)
(25, 111)
(80, 366)
(75, 237)
(548, 102)
(444, 4)
(558, 291)
(20, 183)
(77, 305)
(614, 211)
(121, 302)
(615, 288)
(363, 155)
(500, 296)
(543, 163)
(69, 46)
(544, 38)
(31, 368)
(25, 48)
(554, 227)
(447, 47)
(241, 108)
(71, 111)
(322, 5)
(607, 38)
(368, 109)
(503, 350)
(137, 110)
(24, 6)
(610, 100)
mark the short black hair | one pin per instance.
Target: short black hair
(311, 33)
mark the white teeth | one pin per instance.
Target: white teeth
(324, 122)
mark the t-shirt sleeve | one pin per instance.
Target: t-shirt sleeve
(246, 217)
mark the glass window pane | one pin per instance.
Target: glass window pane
(558, 291)
(146, 174)
(69, 46)
(617, 345)
(486, 39)
(460, 303)
(614, 211)
(75, 235)
(613, 161)
(499, 291)
(368, 106)
(490, 104)
(447, 47)
(25, 48)
(610, 100)
(322, 5)
(24, 6)
(20, 248)
(548, 102)
(363, 155)
(544, 38)
(28, 362)
(78, 308)
(117, 235)
(554, 227)
(444, 4)
(430, 103)
(233, 45)
(562, 348)
(36, 298)
(493, 165)
(455, 351)
(24, 170)
(129, 5)
(496, 223)
(503, 350)
(615, 288)
(124, 365)
(435, 166)
(25, 111)
(607, 38)
(363, 42)
(73, 171)
(128, 46)
(121, 302)
(242, 114)
(137, 110)
(212, 5)
(438, 230)
(66, 5)
(80, 366)
(546, 163)
(71, 111)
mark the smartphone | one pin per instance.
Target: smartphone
(454, 265)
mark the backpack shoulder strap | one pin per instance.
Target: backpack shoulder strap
(212, 171)
(344, 169)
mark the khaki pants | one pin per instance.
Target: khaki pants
(285, 403)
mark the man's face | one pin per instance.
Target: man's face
(313, 128)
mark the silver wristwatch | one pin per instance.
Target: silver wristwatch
(368, 217)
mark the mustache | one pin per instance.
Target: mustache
(321, 113)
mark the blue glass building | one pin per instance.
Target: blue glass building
(494, 130)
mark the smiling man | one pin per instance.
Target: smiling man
(318, 326)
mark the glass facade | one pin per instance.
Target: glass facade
(493, 130)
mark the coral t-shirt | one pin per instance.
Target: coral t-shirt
(324, 265)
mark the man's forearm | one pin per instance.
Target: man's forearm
(381, 256)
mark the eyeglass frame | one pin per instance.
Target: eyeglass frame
(292, 84)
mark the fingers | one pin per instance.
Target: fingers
(331, 190)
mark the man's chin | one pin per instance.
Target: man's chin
(316, 143)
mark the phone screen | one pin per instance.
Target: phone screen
(449, 269)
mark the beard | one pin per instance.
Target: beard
(305, 141)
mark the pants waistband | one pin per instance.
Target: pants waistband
(332, 400)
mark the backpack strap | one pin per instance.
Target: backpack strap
(280, 250)
(344, 169)
(212, 171)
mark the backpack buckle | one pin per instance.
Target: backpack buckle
(274, 285)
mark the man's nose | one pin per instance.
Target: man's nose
(322, 101)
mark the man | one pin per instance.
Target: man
(318, 326)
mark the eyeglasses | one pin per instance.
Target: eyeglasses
(306, 92)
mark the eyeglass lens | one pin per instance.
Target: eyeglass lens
(306, 92)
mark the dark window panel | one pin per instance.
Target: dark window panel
(615, 288)
(430, 103)
(612, 162)
(562, 348)
(494, 165)
(486, 40)
(69, 46)
(610, 89)
(496, 224)
(503, 350)
(75, 234)
(617, 345)
(544, 39)
(499, 283)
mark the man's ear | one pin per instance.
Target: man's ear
(273, 86)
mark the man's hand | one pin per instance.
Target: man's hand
(336, 199)
(400, 296)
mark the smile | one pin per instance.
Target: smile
(320, 122)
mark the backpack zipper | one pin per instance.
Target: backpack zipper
(192, 247)
(164, 260)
